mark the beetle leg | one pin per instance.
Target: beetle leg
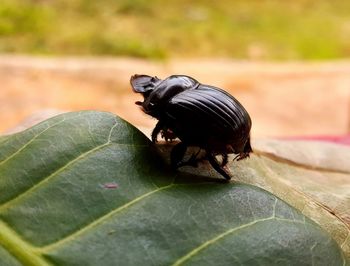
(194, 158)
(159, 126)
(224, 159)
(177, 154)
(168, 135)
(193, 161)
(236, 158)
(216, 165)
(242, 156)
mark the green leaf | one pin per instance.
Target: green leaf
(87, 188)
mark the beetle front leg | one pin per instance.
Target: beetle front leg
(216, 165)
(159, 126)
(168, 135)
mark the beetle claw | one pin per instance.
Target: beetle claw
(241, 156)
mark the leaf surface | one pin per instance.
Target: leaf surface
(88, 188)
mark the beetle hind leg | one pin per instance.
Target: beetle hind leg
(216, 165)
(224, 159)
(177, 154)
(193, 160)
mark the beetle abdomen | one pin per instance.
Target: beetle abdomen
(208, 117)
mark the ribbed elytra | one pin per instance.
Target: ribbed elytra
(199, 115)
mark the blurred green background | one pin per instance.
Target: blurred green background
(244, 29)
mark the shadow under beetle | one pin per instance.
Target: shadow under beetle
(199, 115)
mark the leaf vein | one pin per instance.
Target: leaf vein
(47, 178)
(203, 246)
(30, 141)
(100, 220)
(301, 165)
(111, 131)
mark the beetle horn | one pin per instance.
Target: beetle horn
(143, 83)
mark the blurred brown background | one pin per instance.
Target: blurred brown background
(286, 62)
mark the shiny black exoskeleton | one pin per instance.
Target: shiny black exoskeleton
(199, 115)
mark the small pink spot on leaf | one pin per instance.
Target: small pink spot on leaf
(109, 185)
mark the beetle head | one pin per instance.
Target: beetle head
(144, 84)
(157, 92)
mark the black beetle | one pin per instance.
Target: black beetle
(199, 115)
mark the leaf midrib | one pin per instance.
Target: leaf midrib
(31, 255)
(19, 248)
